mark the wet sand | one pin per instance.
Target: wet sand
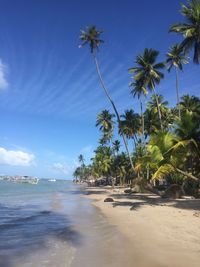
(159, 233)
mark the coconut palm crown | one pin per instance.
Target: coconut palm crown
(92, 37)
(190, 29)
(147, 69)
(176, 57)
(147, 72)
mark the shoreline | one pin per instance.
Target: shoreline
(161, 232)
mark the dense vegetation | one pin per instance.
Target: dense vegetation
(166, 140)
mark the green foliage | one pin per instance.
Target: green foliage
(176, 57)
(190, 28)
(91, 36)
(166, 139)
(130, 124)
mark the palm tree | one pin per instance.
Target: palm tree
(190, 104)
(168, 155)
(167, 116)
(122, 167)
(139, 90)
(102, 161)
(130, 126)
(148, 71)
(92, 37)
(190, 29)
(105, 121)
(176, 58)
(81, 159)
(116, 146)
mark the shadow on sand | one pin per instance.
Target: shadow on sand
(153, 200)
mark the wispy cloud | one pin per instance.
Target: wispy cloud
(3, 81)
(16, 157)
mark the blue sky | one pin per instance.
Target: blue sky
(49, 91)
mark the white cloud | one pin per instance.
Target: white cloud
(16, 158)
(62, 168)
(3, 81)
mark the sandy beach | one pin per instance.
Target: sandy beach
(161, 232)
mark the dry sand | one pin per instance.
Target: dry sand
(162, 233)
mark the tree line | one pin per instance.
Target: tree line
(166, 140)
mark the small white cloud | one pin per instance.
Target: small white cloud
(15, 158)
(3, 81)
(62, 168)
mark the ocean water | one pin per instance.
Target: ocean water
(51, 225)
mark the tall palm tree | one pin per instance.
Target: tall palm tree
(139, 90)
(190, 29)
(176, 58)
(148, 70)
(92, 37)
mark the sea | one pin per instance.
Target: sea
(51, 224)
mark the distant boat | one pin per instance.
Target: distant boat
(27, 180)
(52, 180)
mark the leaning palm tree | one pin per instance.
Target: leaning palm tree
(190, 29)
(92, 37)
(148, 70)
(176, 58)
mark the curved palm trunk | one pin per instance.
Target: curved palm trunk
(159, 112)
(177, 94)
(114, 107)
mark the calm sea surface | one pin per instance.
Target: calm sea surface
(51, 224)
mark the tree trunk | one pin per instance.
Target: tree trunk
(188, 175)
(159, 112)
(115, 110)
(148, 172)
(177, 94)
(142, 119)
(134, 142)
